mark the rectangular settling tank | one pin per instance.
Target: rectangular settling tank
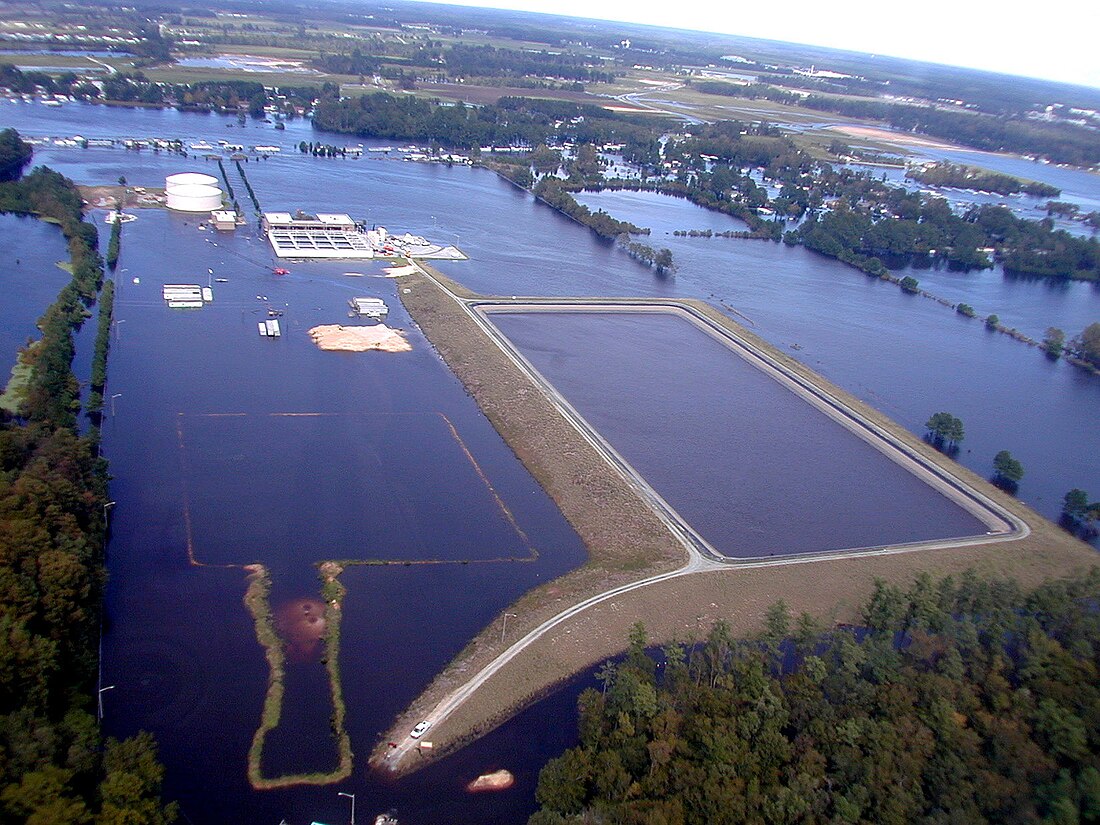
(753, 467)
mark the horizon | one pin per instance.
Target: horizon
(1011, 43)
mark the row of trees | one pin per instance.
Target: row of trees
(1033, 248)
(553, 192)
(1084, 347)
(960, 700)
(53, 491)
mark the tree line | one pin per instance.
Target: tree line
(958, 700)
(511, 121)
(964, 177)
(54, 768)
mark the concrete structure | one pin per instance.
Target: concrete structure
(189, 179)
(224, 219)
(328, 235)
(369, 307)
(192, 192)
(194, 197)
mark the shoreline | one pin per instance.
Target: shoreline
(561, 460)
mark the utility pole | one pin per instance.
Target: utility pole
(350, 796)
(103, 690)
(504, 627)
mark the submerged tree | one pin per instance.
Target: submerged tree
(944, 427)
(1054, 341)
(1007, 470)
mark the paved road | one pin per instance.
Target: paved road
(701, 557)
(639, 99)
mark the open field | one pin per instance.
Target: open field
(51, 60)
(481, 95)
(195, 74)
(627, 543)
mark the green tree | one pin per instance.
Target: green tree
(15, 154)
(1054, 341)
(910, 284)
(1075, 505)
(130, 789)
(992, 321)
(663, 261)
(1087, 344)
(1007, 468)
(944, 427)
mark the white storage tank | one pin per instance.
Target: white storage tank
(189, 179)
(194, 197)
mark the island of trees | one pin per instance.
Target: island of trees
(965, 177)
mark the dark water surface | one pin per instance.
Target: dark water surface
(30, 280)
(251, 449)
(753, 467)
(180, 645)
(903, 354)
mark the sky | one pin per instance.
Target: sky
(1055, 41)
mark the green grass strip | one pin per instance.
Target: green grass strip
(259, 605)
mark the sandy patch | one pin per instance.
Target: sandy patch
(359, 339)
(500, 780)
(892, 137)
(111, 197)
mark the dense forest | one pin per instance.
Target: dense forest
(475, 61)
(512, 121)
(963, 700)
(14, 155)
(54, 768)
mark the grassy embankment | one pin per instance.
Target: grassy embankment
(627, 543)
(257, 601)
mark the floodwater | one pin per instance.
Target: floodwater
(752, 466)
(30, 278)
(903, 354)
(180, 645)
(236, 449)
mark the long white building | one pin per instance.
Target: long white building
(329, 235)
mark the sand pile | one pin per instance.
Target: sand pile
(359, 339)
(496, 781)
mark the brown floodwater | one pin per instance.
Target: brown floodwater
(301, 624)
